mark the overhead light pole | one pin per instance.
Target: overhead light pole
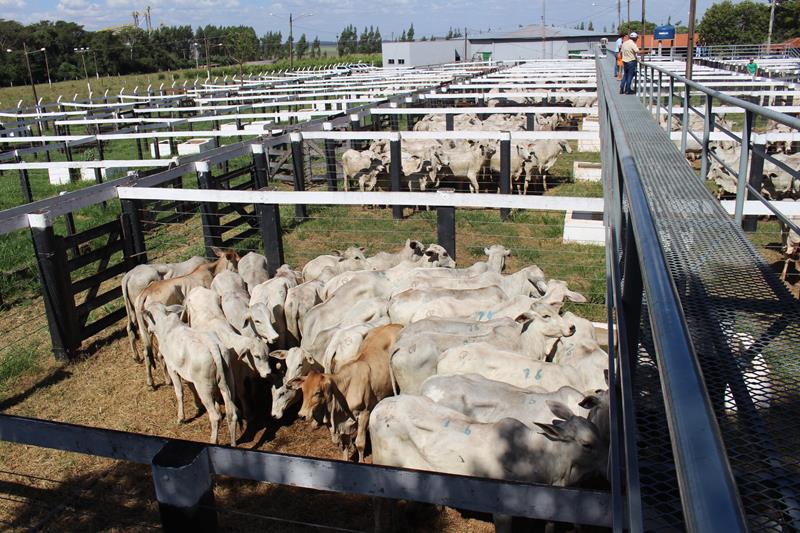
(771, 23)
(47, 66)
(82, 52)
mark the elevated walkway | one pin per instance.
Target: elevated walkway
(743, 324)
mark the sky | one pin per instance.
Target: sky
(326, 18)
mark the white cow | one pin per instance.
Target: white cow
(522, 371)
(267, 307)
(485, 400)
(417, 353)
(414, 432)
(197, 358)
(351, 259)
(299, 300)
(253, 269)
(411, 251)
(139, 277)
(362, 166)
(403, 306)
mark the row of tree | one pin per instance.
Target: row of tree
(350, 42)
(744, 22)
(132, 50)
(748, 22)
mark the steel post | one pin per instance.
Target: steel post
(750, 222)
(184, 488)
(744, 159)
(298, 171)
(708, 127)
(446, 229)
(395, 171)
(505, 171)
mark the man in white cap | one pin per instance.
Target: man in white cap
(629, 51)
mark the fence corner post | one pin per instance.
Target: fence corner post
(184, 488)
(446, 227)
(330, 158)
(131, 209)
(212, 231)
(298, 172)
(59, 305)
(396, 171)
(505, 170)
(756, 177)
(260, 174)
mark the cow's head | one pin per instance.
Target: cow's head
(565, 146)
(260, 318)
(317, 391)
(227, 259)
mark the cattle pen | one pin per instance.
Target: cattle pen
(700, 330)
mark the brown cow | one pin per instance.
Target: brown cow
(173, 291)
(349, 395)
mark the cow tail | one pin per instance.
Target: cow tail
(128, 304)
(391, 375)
(225, 379)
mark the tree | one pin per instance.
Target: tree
(581, 27)
(636, 25)
(316, 50)
(403, 37)
(410, 34)
(302, 47)
(727, 23)
(591, 26)
(787, 20)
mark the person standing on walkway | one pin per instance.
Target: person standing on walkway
(752, 68)
(629, 52)
(618, 53)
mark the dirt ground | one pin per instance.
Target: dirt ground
(47, 490)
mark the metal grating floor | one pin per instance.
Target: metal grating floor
(745, 327)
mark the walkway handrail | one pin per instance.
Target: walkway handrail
(753, 154)
(783, 118)
(709, 494)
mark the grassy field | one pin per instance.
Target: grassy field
(9, 96)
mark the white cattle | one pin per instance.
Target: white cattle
(362, 166)
(469, 162)
(403, 306)
(417, 354)
(251, 358)
(253, 269)
(328, 314)
(299, 300)
(522, 371)
(521, 160)
(414, 432)
(139, 277)
(235, 303)
(351, 259)
(345, 342)
(410, 251)
(545, 153)
(196, 358)
(513, 307)
(485, 400)
(296, 363)
(267, 303)
(528, 281)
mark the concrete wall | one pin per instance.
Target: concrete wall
(420, 53)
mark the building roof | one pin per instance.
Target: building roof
(536, 31)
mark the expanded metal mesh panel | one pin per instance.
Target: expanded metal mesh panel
(745, 328)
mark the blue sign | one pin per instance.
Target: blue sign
(662, 33)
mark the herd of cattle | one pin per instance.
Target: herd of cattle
(425, 163)
(461, 370)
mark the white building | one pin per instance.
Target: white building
(528, 42)
(421, 53)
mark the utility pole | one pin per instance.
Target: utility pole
(690, 43)
(208, 67)
(33, 86)
(771, 22)
(644, 27)
(544, 41)
(196, 56)
(96, 72)
(629, 11)
(465, 44)
(291, 44)
(619, 14)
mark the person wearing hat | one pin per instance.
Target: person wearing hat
(629, 51)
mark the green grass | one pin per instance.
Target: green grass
(23, 358)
